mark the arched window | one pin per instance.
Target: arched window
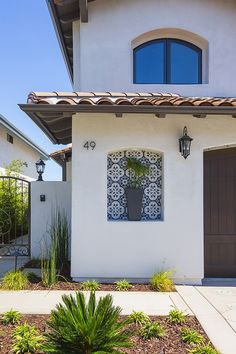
(167, 61)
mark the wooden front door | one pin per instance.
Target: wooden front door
(220, 213)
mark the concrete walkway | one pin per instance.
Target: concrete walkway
(42, 302)
(215, 309)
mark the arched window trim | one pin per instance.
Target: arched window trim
(167, 63)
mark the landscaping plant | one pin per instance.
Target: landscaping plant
(190, 336)
(205, 349)
(11, 317)
(59, 235)
(48, 265)
(139, 318)
(123, 285)
(162, 282)
(16, 280)
(152, 330)
(80, 327)
(90, 285)
(137, 171)
(176, 316)
(26, 340)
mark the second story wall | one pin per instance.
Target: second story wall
(18, 150)
(103, 47)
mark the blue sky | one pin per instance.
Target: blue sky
(30, 60)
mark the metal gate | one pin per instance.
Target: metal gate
(14, 216)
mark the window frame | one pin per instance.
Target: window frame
(167, 60)
(10, 138)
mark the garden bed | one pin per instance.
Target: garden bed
(170, 344)
(69, 285)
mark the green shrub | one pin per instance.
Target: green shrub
(139, 318)
(48, 265)
(11, 317)
(15, 280)
(205, 349)
(77, 327)
(123, 285)
(26, 340)
(190, 336)
(176, 316)
(152, 330)
(162, 282)
(90, 285)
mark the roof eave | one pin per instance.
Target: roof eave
(69, 110)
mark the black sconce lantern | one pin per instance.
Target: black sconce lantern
(40, 167)
(185, 143)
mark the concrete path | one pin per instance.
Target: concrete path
(215, 309)
(42, 302)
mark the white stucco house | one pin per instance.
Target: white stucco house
(141, 71)
(15, 145)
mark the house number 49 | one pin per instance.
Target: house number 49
(90, 145)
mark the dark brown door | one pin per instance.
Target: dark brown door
(220, 213)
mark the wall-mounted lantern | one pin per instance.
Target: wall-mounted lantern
(40, 167)
(185, 143)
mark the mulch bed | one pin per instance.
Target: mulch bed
(65, 282)
(170, 344)
(69, 285)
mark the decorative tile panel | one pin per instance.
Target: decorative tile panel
(118, 178)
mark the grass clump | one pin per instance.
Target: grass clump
(90, 285)
(162, 282)
(176, 316)
(205, 349)
(190, 336)
(152, 330)
(15, 280)
(123, 285)
(26, 339)
(77, 326)
(139, 318)
(11, 317)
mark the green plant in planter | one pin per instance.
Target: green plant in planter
(162, 282)
(134, 192)
(137, 171)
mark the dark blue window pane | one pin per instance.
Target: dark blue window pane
(184, 64)
(149, 63)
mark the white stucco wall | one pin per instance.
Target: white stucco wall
(109, 249)
(103, 47)
(58, 196)
(19, 150)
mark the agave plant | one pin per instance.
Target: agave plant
(80, 327)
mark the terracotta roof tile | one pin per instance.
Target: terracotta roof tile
(127, 98)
